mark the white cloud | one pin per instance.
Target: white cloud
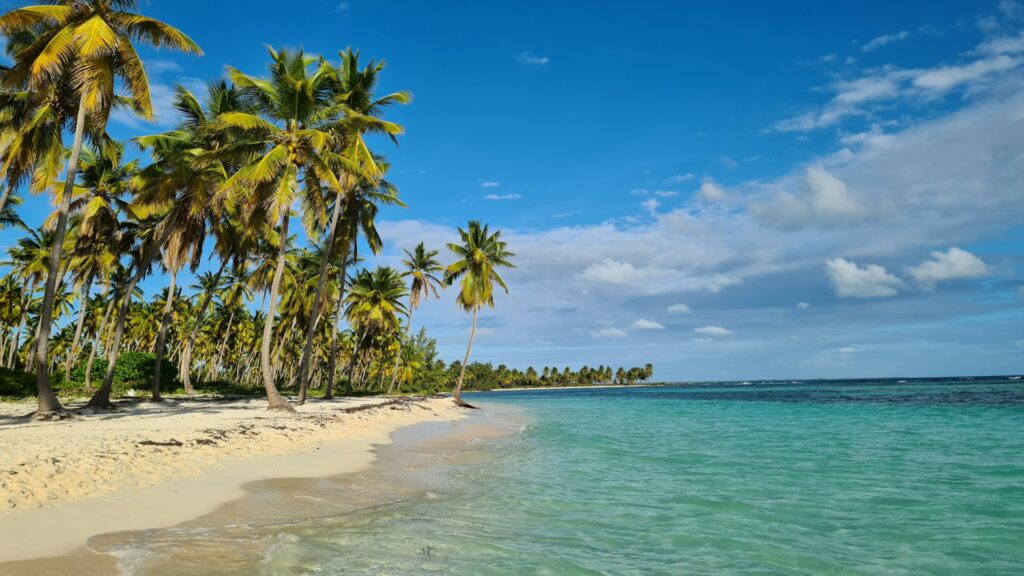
(878, 42)
(710, 191)
(854, 96)
(490, 184)
(1003, 45)
(342, 7)
(679, 178)
(942, 79)
(608, 333)
(852, 281)
(646, 192)
(645, 324)
(953, 264)
(679, 309)
(530, 59)
(847, 350)
(825, 201)
(803, 305)
(503, 197)
(651, 205)
(1011, 9)
(157, 66)
(713, 331)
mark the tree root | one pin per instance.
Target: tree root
(463, 404)
(52, 416)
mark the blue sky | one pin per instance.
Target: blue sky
(729, 190)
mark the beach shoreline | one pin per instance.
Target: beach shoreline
(157, 465)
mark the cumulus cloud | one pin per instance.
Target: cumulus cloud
(803, 305)
(713, 331)
(710, 191)
(884, 40)
(495, 197)
(679, 309)
(953, 264)
(531, 60)
(608, 333)
(850, 280)
(651, 205)
(825, 201)
(645, 324)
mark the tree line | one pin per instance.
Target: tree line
(249, 160)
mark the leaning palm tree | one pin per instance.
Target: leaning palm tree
(89, 41)
(421, 265)
(289, 150)
(479, 254)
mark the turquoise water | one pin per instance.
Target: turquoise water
(817, 478)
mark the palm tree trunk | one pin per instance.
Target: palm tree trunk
(102, 396)
(12, 356)
(332, 363)
(6, 196)
(401, 347)
(314, 317)
(161, 338)
(352, 361)
(49, 406)
(83, 300)
(457, 393)
(186, 355)
(223, 344)
(274, 398)
(98, 339)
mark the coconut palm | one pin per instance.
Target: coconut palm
(361, 111)
(373, 307)
(421, 267)
(91, 42)
(288, 147)
(480, 254)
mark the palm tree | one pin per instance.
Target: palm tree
(91, 42)
(374, 304)
(290, 141)
(362, 110)
(479, 255)
(421, 265)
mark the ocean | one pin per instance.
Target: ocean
(874, 477)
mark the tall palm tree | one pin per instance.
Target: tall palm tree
(290, 151)
(91, 42)
(354, 88)
(373, 306)
(421, 265)
(480, 254)
(99, 204)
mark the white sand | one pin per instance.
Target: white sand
(61, 482)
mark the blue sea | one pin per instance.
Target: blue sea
(879, 477)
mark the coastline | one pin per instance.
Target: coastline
(157, 465)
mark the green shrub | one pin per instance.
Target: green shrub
(16, 384)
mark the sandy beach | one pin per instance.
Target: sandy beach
(148, 465)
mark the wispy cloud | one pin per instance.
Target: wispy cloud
(497, 197)
(884, 40)
(679, 309)
(713, 331)
(490, 184)
(645, 324)
(342, 7)
(608, 333)
(530, 59)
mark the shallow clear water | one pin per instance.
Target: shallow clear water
(810, 478)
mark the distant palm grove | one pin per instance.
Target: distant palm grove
(251, 160)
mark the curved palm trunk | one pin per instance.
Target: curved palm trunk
(314, 316)
(218, 360)
(73, 353)
(161, 338)
(102, 396)
(185, 373)
(49, 406)
(98, 339)
(5, 197)
(457, 393)
(274, 398)
(398, 358)
(352, 361)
